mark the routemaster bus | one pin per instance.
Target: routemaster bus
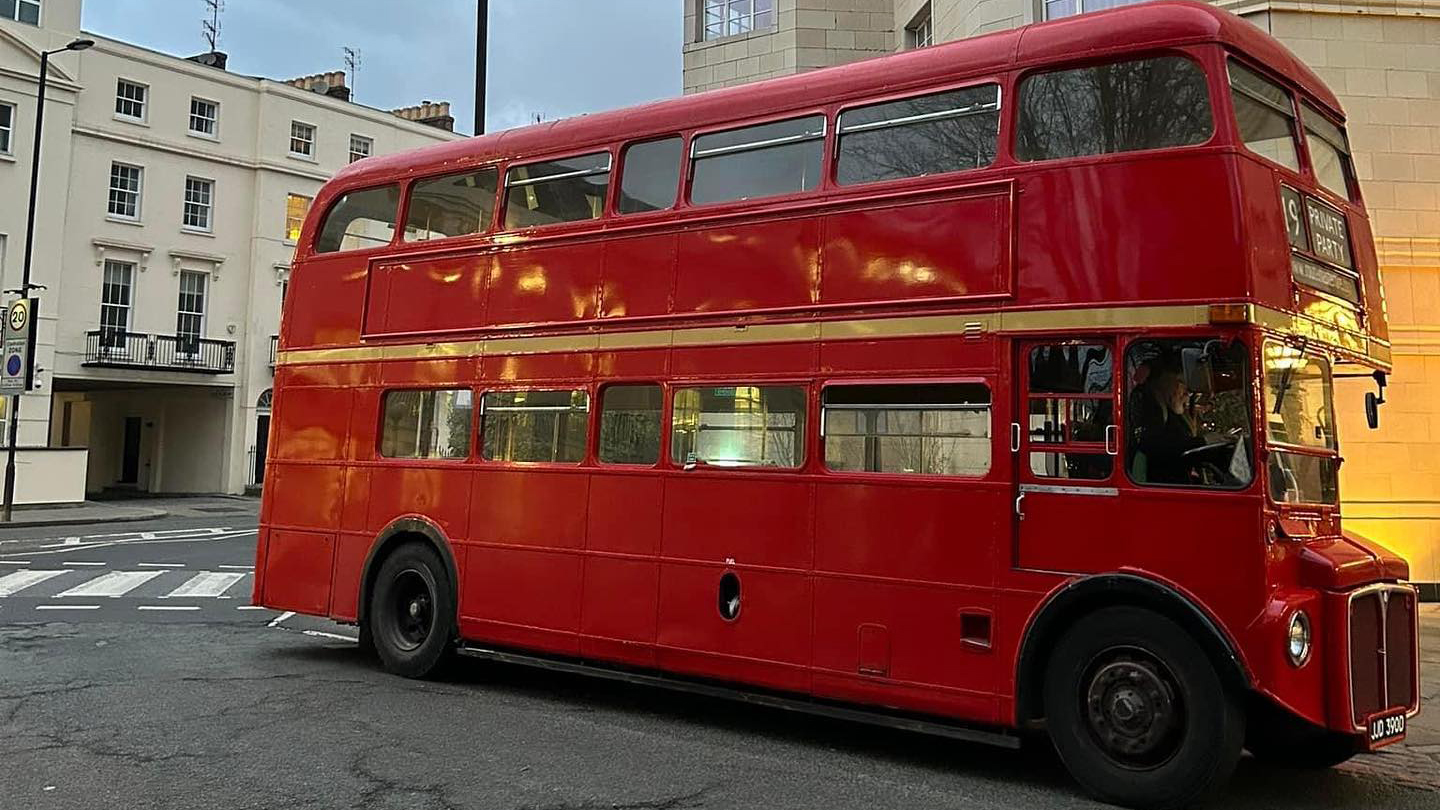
(981, 389)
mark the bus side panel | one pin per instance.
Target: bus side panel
(1077, 246)
(416, 295)
(774, 263)
(352, 546)
(913, 566)
(639, 276)
(557, 283)
(621, 570)
(523, 572)
(326, 302)
(757, 527)
(931, 249)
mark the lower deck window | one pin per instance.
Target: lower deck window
(739, 426)
(534, 425)
(921, 429)
(630, 424)
(426, 424)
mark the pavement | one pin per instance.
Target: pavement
(141, 678)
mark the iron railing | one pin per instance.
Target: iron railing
(115, 348)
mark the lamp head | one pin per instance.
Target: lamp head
(80, 45)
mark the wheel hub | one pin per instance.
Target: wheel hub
(413, 610)
(1132, 711)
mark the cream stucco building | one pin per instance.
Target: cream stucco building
(170, 198)
(1382, 58)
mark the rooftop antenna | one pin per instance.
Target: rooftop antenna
(352, 64)
(211, 27)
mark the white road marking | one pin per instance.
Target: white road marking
(159, 537)
(282, 617)
(168, 607)
(67, 607)
(20, 580)
(206, 583)
(250, 607)
(236, 567)
(93, 564)
(159, 565)
(14, 562)
(323, 634)
(113, 584)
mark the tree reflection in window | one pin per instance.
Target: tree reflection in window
(1119, 107)
(934, 134)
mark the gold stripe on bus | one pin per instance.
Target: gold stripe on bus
(968, 324)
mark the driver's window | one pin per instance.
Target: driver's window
(1187, 406)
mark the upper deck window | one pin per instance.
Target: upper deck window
(1329, 151)
(1120, 107)
(359, 220)
(934, 134)
(566, 190)
(650, 176)
(767, 160)
(456, 205)
(1266, 116)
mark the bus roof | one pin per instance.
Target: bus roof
(1155, 24)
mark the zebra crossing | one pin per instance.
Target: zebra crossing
(69, 584)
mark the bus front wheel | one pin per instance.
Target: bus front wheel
(1138, 713)
(411, 617)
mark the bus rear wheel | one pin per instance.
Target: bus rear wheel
(411, 616)
(1138, 713)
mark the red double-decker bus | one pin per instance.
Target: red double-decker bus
(977, 389)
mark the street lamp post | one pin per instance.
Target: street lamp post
(482, 47)
(25, 285)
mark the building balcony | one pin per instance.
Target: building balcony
(112, 348)
(274, 350)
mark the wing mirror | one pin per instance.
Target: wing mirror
(1373, 401)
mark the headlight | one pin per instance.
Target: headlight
(1297, 643)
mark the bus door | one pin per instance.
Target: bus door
(1066, 440)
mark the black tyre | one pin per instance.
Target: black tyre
(411, 618)
(1276, 737)
(1138, 713)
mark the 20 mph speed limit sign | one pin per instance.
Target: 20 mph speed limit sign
(17, 358)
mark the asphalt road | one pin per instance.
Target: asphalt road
(115, 706)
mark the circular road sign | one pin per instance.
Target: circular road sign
(14, 365)
(19, 314)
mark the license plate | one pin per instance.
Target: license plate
(1386, 729)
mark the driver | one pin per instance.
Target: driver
(1166, 428)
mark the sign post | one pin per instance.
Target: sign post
(17, 375)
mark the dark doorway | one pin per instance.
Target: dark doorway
(262, 445)
(130, 455)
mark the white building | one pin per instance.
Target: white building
(171, 195)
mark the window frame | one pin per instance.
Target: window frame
(1198, 60)
(1296, 126)
(202, 316)
(807, 432)
(991, 385)
(691, 159)
(703, 34)
(139, 192)
(214, 134)
(7, 146)
(590, 449)
(490, 228)
(1306, 107)
(128, 308)
(299, 231)
(313, 141)
(369, 146)
(209, 207)
(598, 415)
(335, 200)
(832, 171)
(504, 185)
(39, 22)
(612, 207)
(472, 441)
(920, 32)
(144, 102)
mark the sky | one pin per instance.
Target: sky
(554, 58)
